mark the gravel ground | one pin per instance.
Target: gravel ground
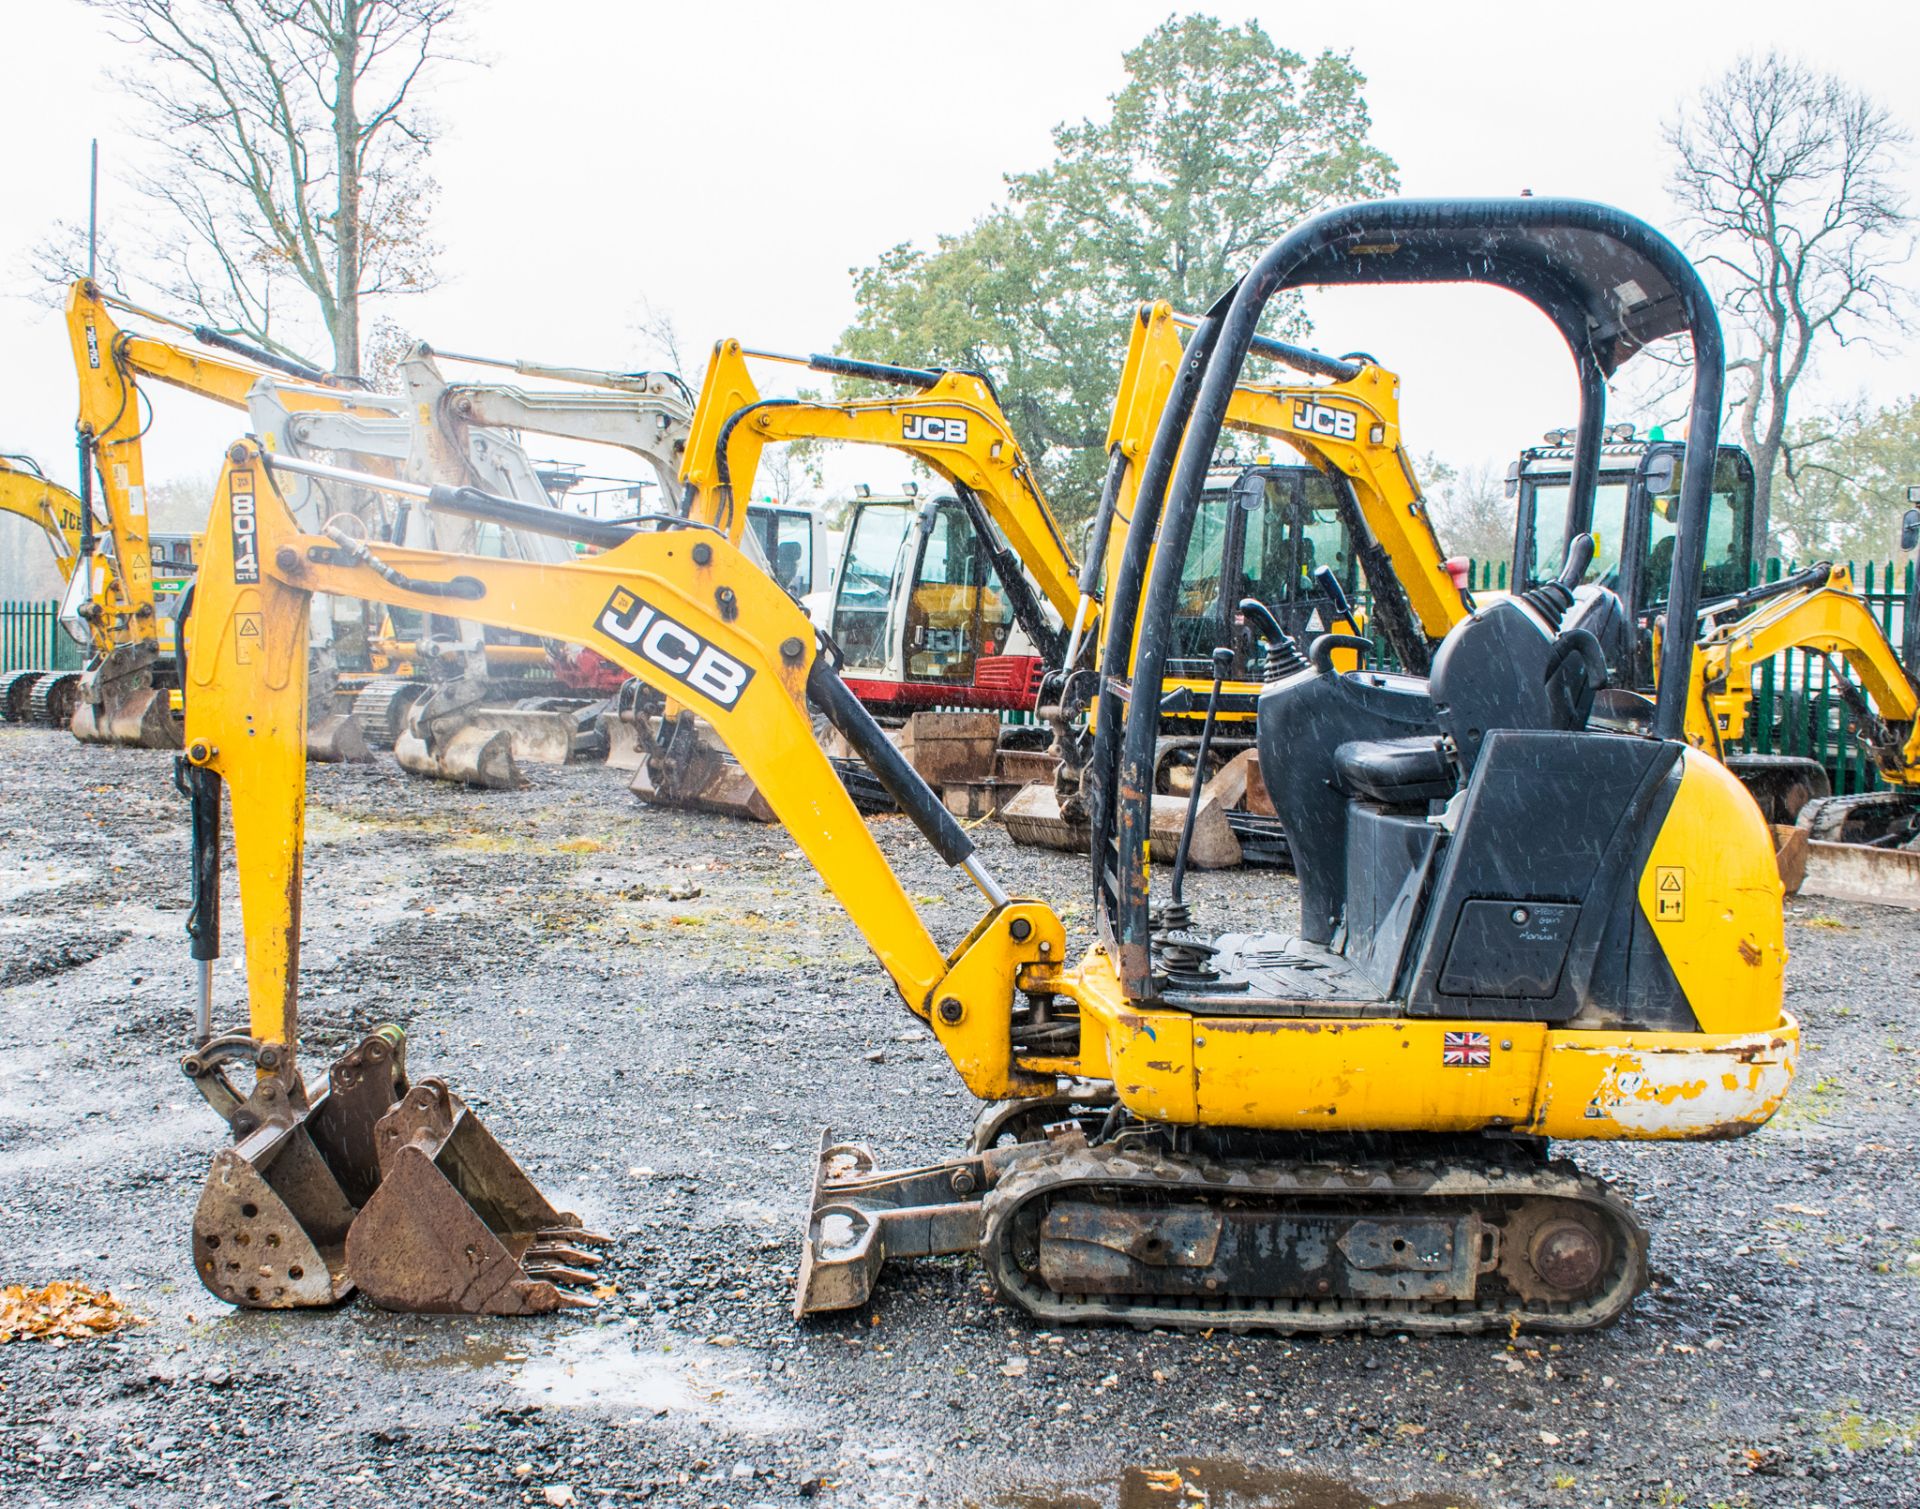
(663, 1061)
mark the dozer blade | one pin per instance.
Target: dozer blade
(861, 1217)
(535, 736)
(628, 742)
(455, 1227)
(270, 1231)
(472, 756)
(1034, 820)
(336, 739)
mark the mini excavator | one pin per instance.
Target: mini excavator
(1515, 927)
(1743, 626)
(37, 694)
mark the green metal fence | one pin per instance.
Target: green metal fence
(29, 635)
(1796, 709)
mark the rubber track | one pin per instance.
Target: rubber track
(1410, 1185)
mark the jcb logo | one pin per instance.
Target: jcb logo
(932, 427)
(1323, 419)
(675, 648)
(246, 528)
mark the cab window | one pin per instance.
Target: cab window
(860, 605)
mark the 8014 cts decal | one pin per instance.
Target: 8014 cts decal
(674, 648)
(246, 528)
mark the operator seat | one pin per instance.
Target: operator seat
(1358, 759)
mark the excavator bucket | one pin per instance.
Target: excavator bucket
(271, 1228)
(455, 1227)
(140, 719)
(335, 739)
(117, 700)
(471, 756)
(689, 766)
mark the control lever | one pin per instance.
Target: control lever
(1329, 587)
(1222, 663)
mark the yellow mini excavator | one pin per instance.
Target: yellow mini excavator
(1515, 927)
(1742, 628)
(39, 694)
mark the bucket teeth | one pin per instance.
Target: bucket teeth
(559, 1273)
(455, 1226)
(576, 1235)
(556, 1252)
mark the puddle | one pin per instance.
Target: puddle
(1221, 1483)
(611, 1370)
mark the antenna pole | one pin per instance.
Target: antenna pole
(93, 204)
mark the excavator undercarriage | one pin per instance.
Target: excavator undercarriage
(1192, 1230)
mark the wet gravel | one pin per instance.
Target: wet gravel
(657, 1013)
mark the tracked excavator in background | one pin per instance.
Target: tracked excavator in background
(27, 493)
(1515, 927)
(1017, 583)
(451, 703)
(1743, 627)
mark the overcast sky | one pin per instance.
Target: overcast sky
(729, 163)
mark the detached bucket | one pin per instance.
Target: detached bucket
(270, 1232)
(472, 756)
(455, 1227)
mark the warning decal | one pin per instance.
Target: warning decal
(246, 637)
(1669, 893)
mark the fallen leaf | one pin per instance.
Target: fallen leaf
(61, 1312)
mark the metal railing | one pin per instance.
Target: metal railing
(30, 636)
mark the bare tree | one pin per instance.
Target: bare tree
(1788, 178)
(659, 335)
(1472, 513)
(292, 153)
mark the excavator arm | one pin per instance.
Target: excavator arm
(56, 512)
(59, 515)
(682, 609)
(1349, 426)
(953, 423)
(1823, 616)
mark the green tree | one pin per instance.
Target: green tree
(1219, 141)
(1847, 488)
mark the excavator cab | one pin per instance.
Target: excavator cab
(920, 611)
(1264, 532)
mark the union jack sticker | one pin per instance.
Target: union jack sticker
(1466, 1050)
